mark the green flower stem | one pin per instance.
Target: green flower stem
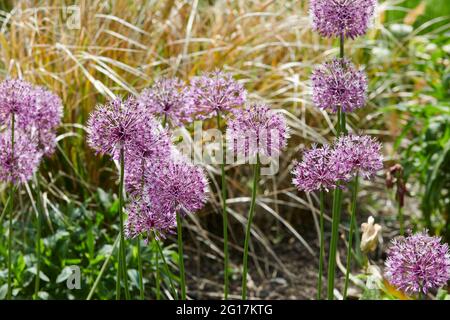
(122, 256)
(158, 277)
(256, 172)
(119, 272)
(11, 208)
(400, 219)
(181, 257)
(38, 237)
(141, 282)
(337, 201)
(225, 218)
(350, 235)
(321, 258)
(336, 217)
(5, 209)
(102, 271)
(166, 267)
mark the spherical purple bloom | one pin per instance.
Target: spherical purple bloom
(353, 154)
(338, 83)
(152, 143)
(49, 111)
(216, 92)
(124, 124)
(114, 125)
(168, 98)
(17, 97)
(144, 220)
(418, 263)
(257, 130)
(333, 18)
(315, 172)
(18, 167)
(136, 171)
(46, 141)
(177, 186)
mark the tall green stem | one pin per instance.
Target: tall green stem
(11, 208)
(181, 257)
(157, 277)
(321, 255)
(336, 217)
(400, 219)
(256, 172)
(122, 255)
(38, 238)
(350, 235)
(141, 282)
(337, 202)
(225, 217)
(166, 267)
(119, 272)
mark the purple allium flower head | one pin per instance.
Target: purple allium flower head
(20, 167)
(123, 123)
(177, 186)
(168, 98)
(333, 18)
(143, 219)
(338, 83)
(354, 154)
(214, 92)
(49, 111)
(418, 263)
(315, 172)
(17, 97)
(114, 125)
(257, 129)
(46, 141)
(136, 171)
(153, 141)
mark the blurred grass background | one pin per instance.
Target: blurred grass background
(120, 47)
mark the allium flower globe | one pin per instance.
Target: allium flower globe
(315, 172)
(215, 92)
(123, 124)
(338, 83)
(46, 141)
(168, 98)
(144, 220)
(49, 111)
(354, 154)
(20, 167)
(17, 97)
(153, 141)
(136, 171)
(177, 186)
(418, 263)
(257, 130)
(349, 18)
(114, 125)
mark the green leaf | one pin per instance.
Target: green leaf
(3, 291)
(42, 275)
(64, 275)
(43, 295)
